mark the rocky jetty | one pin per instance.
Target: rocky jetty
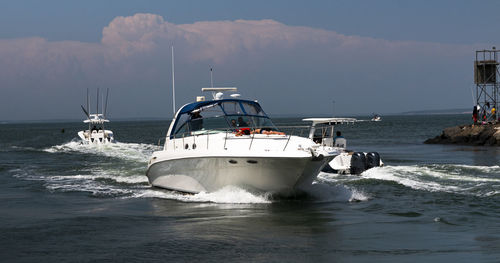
(487, 134)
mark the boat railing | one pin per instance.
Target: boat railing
(285, 133)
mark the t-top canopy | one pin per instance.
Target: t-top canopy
(330, 120)
(96, 119)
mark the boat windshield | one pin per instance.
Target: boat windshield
(221, 116)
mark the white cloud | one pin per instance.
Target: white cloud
(134, 51)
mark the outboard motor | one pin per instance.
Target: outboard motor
(372, 160)
(358, 163)
(328, 169)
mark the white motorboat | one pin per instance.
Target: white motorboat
(348, 161)
(220, 142)
(96, 134)
(376, 117)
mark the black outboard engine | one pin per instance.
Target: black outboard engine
(372, 160)
(358, 163)
(328, 169)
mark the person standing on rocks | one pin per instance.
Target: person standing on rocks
(483, 116)
(474, 114)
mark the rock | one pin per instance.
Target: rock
(488, 134)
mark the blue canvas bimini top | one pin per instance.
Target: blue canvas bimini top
(218, 109)
(196, 105)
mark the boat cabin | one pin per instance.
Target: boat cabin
(220, 116)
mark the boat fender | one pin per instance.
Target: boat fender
(372, 160)
(358, 163)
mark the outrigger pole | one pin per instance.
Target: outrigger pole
(106, 105)
(88, 108)
(97, 102)
(88, 104)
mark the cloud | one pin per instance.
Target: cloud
(264, 56)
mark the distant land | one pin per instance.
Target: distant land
(421, 112)
(81, 120)
(432, 112)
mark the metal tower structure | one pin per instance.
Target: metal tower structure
(486, 79)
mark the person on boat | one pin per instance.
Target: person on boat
(241, 122)
(267, 131)
(339, 135)
(233, 123)
(493, 113)
(93, 128)
(196, 121)
(339, 140)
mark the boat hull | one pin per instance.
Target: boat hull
(99, 137)
(208, 174)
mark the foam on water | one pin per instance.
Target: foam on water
(96, 181)
(336, 193)
(128, 151)
(460, 179)
(323, 189)
(236, 195)
(226, 195)
(99, 182)
(126, 176)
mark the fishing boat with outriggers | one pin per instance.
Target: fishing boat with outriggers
(96, 134)
(220, 142)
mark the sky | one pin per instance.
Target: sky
(304, 58)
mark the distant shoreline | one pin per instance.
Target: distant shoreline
(424, 112)
(436, 112)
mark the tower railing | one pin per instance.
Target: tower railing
(189, 140)
(486, 80)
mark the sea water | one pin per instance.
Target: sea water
(63, 201)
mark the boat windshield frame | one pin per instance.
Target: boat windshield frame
(219, 115)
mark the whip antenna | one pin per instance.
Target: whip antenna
(88, 102)
(173, 81)
(211, 78)
(97, 102)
